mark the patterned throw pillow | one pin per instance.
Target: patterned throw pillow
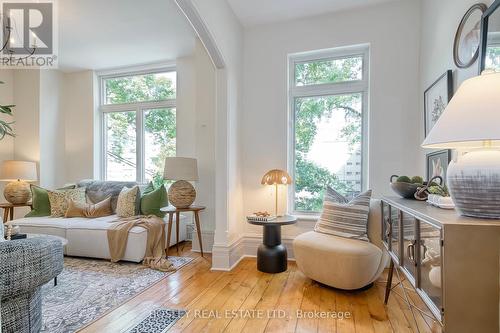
(127, 202)
(59, 200)
(348, 220)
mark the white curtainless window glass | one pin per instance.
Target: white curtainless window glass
(328, 93)
(139, 124)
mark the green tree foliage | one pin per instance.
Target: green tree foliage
(311, 179)
(159, 123)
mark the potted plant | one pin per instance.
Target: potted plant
(5, 127)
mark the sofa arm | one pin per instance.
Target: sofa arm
(28, 264)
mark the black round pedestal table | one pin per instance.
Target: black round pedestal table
(271, 255)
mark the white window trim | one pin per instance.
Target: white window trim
(340, 88)
(137, 107)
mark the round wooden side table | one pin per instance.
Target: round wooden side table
(271, 255)
(8, 209)
(171, 210)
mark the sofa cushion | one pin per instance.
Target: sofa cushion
(345, 220)
(40, 200)
(98, 190)
(127, 202)
(153, 199)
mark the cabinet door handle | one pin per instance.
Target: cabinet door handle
(410, 252)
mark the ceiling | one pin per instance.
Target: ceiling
(255, 12)
(97, 34)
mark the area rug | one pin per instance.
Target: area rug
(87, 289)
(158, 321)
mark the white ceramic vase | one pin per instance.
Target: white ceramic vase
(474, 183)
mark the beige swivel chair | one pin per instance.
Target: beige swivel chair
(343, 263)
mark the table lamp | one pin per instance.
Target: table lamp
(276, 177)
(18, 173)
(471, 123)
(181, 194)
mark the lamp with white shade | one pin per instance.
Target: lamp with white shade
(181, 194)
(18, 173)
(471, 122)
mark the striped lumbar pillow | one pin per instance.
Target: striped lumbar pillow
(348, 220)
(335, 196)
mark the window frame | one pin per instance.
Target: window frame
(327, 89)
(139, 107)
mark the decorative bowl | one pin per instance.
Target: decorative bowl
(403, 189)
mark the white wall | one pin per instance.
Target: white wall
(78, 108)
(227, 33)
(196, 130)
(51, 128)
(392, 30)
(440, 20)
(6, 98)
(27, 100)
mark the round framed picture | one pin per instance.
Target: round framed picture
(468, 37)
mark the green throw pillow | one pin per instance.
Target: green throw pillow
(40, 200)
(152, 200)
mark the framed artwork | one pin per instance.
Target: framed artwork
(436, 98)
(437, 163)
(468, 37)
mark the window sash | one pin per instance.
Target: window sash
(140, 108)
(321, 90)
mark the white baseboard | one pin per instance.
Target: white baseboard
(225, 258)
(207, 238)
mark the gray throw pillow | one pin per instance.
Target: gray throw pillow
(349, 220)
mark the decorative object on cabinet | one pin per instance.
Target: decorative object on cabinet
(490, 39)
(431, 248)
(437, 164)
(18, 173)
(468, 37)
(406, 187)
(436, 98)
(181, 194)
(470, 123)
(276, 177)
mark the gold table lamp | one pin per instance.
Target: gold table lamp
(276, 177)
(18, 174)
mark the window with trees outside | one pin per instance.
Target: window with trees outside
(328, 93)
(139, 125)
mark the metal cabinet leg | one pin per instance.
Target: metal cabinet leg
(388, 287)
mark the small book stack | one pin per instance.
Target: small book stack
(260, 218)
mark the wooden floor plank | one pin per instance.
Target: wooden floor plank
(289, 301)
(267, 302)
(328, 300)
(308, 322)
(246, 290)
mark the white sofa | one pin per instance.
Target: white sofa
(88, 237)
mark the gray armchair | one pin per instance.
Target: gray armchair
(25, 266)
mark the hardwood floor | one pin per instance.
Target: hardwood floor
(246, 300)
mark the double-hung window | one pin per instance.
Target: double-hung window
(138, 124)
(328, 99)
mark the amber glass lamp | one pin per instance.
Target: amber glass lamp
(276, 177)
